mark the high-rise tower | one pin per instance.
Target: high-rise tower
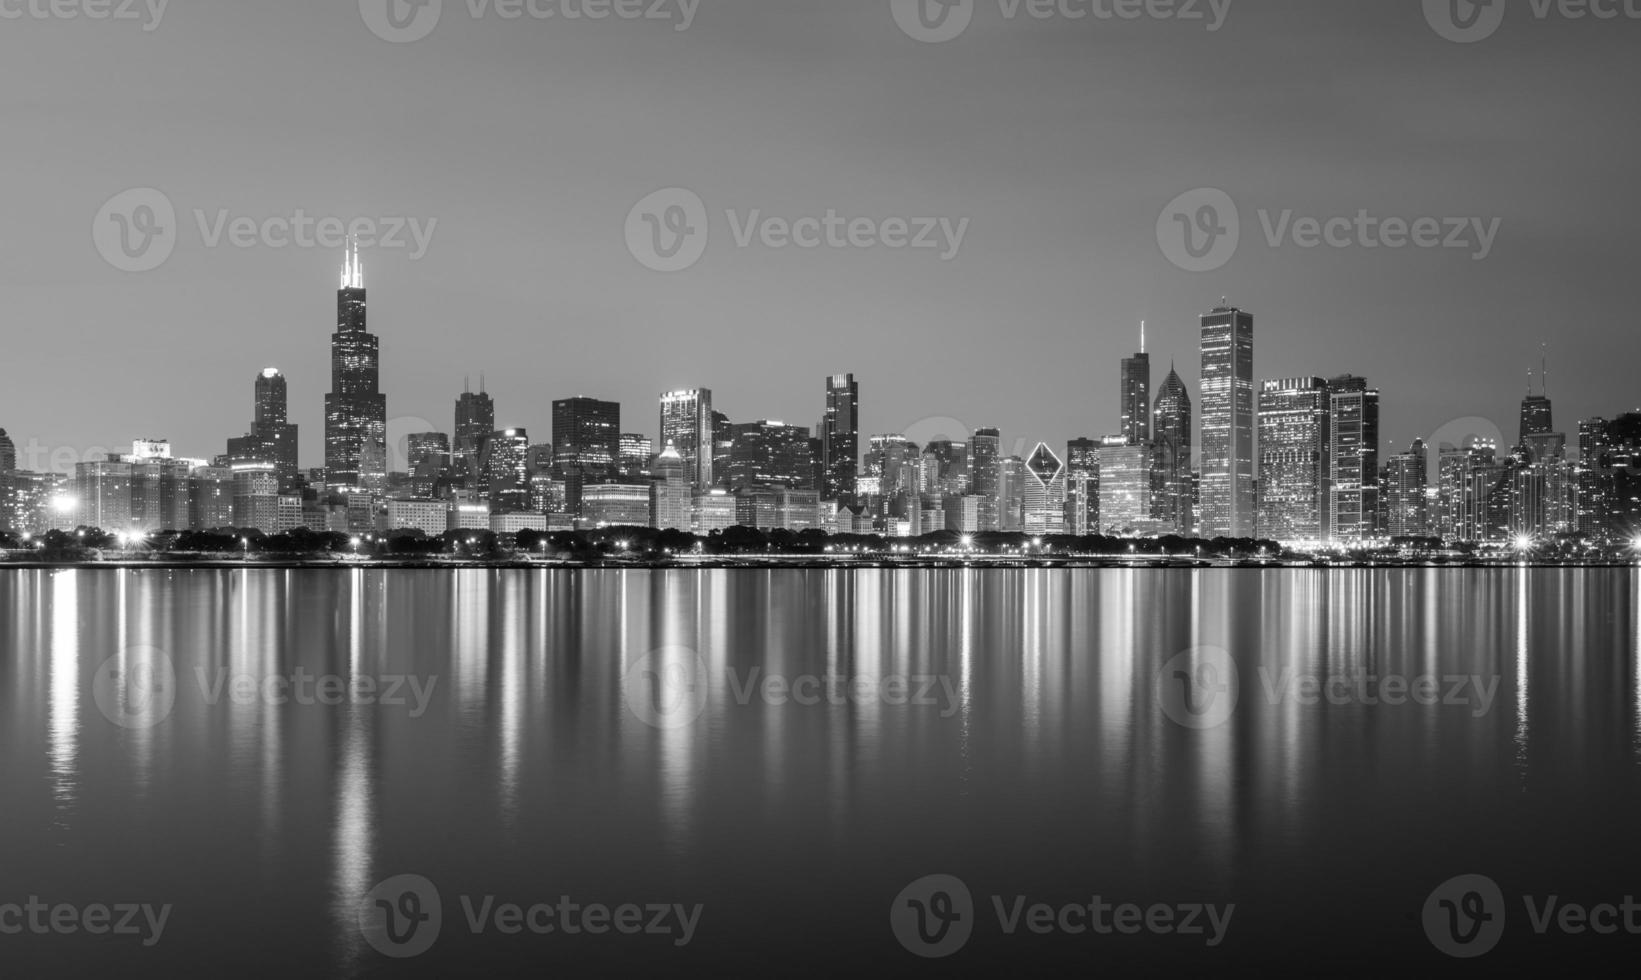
(1136, 395)
(272, 439)
(686, 422)
(1171, 430)
(1227, 484)
(840, 437)
(356, 408)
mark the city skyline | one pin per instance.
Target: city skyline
(1134, 388)
(522, 271)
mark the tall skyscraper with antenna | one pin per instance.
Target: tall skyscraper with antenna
(1536, 416)
(1136, 395)
(356, 408)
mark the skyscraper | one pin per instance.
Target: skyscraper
(770, 453)
(1293, 459)
(1045, 492)
(687, 423)
(1082, 486)
(507, 472)
(1537, 418)
(985, 450)
(1406, 502)
(1171, 431)
(272, 438)
(670, 494)
(356, 408)
(475, 422)
(1353, 422)
(1227, 479)
(587, 435)
(1136, 395)
(840, 437)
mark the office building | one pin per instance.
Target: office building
(1353, 458)
(1226, 507)
(1294, 447)
(840, 438)
(356, 408)
(687, 422)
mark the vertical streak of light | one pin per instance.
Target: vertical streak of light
(273, 722)
(1521, 669)
(512, 651)
(351, 852)
(64, 723)
(1635, 660)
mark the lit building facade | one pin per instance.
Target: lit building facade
(840, 438)
(1294, 443)
(1227, 504)
(356, 408)
(687, 423)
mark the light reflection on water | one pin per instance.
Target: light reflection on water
(1055, 770)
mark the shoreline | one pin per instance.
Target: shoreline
(771, 563)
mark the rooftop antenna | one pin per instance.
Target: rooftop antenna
(1544, 369)
(1142, 336)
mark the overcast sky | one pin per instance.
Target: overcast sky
(1060, 141)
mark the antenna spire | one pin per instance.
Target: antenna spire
(353, 270)
(1142, 336)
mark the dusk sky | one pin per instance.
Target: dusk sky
(1060, 141)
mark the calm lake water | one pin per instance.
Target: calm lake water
(1331, 747)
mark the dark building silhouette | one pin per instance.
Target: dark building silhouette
(356, 408)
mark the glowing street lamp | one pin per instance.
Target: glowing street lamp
(1524, 543)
